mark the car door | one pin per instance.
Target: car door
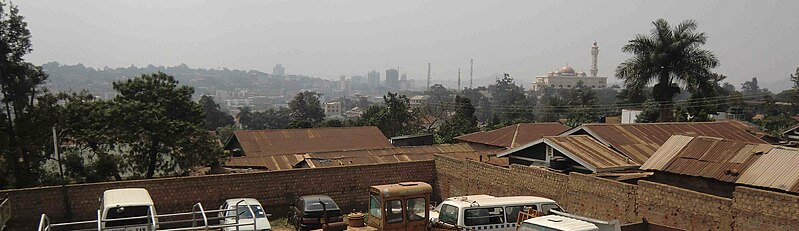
(222, 212)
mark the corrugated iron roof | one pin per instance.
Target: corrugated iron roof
(640, 141)
(778, 169)
(586, 149)
(514, 135)
(352, 157)
(262, 143)
(754, 164)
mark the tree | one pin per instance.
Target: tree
(305, 110)
(581, 102)
(462, 122)
(668, 57)
(214, 118)
(510, 102)
(751, 87)
(394, 118)
(162, 127)
(24, 100)
(650, 113)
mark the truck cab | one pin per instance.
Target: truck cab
(401, 206)
(129, 209)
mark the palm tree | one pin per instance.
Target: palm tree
(668, 57)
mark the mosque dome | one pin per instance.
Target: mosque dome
(567, 70)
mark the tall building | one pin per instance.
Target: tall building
(566, 77)
(278, 70)
(373, 78)
(392, 79)
(403, 83)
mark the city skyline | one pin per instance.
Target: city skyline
(524, 39)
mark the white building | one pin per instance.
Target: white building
(333, 108)
(566, 77)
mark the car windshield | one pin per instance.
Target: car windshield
(244, 213)
(317, 205)
(127, 212)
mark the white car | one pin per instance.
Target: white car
(246, 216)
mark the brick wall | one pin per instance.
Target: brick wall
(682, 208)
(601, 198)
(756, 209)
(347, 185)
(586, 195)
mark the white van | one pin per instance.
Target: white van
(128, 209)
(484, 212)
(568, 222)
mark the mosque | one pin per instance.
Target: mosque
(566, 77)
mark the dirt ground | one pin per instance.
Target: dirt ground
(281, 224)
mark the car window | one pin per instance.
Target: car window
(317, 205)
(546, 207)
(127, 211)
(448, 214)
(512, 212)
(483, 216)
(416, 209)
(374, 206)
(245, 213)
(393, 211)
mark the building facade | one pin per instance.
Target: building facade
(278, 70)
(392, 79)
(333, 108)
(566, 77)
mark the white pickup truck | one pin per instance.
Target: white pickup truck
(567, 222)
(5, 212)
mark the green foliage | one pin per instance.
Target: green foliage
(650, 113)
(269, 119)
(509, 100)
(668, 56)
(22, 122)
(462, 122)
(306, 110)
(214, 117)
(162, 127)
(394, 118)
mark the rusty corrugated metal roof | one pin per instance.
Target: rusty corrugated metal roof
(708, 157)
(262, 143)
(754, 164)
(588, 150)
(640, 141)
(778, 169)
(514, 135)
(351, 157)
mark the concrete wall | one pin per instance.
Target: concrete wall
(586, 195)
(347, 185)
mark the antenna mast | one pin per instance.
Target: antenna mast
(428, 77)
(471, 72)
(459, 79)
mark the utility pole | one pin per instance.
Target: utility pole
(428, 77)
(471, 72)
(64, 193)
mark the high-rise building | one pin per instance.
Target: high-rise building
(278, 70)
(392, 79)
(373, 78)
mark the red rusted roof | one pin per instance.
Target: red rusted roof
(514, 135)
(264, 143)
(727, 160)
(585, 149)
(352, 157)
(640, 141)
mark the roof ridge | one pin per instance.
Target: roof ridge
(515, 134)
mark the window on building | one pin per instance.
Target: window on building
(484, 216)
(560, 86)
(416, 209)
(569, 86)
(393, 211)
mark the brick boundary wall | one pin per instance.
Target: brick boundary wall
(276, 190)
(586, 195)
(601, 198)
(757, 209)
(682, 208)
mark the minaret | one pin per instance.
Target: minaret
(428, 77)
(594, 57)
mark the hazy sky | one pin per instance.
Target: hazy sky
(331, 38)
